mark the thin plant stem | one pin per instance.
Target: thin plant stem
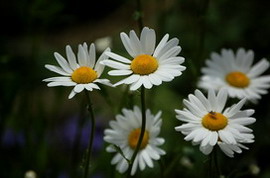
(216, 161)
(140, 14)
(172, 165)
(210, 170)
(202, 27)
(91, 137)
(161, 165)
(214, 170)
(138, 146)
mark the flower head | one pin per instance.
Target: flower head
(236, 73)
(209, 124)
(149, 65)
(82, 73)
(124, 133)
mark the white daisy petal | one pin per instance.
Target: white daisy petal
(244, 120)
(148, 40)
(126, 42)
(155, 80)
(62, 62)
(212, 100)
(72, 94)
(119, 72)
(135, 42)
(201, 136)
(61, 83)
(161, 44)
(235, 108)
(129, 80)
(206, 140)
(147, 159)
(82, 56)
(137, 84)
(57, 70)
(164, 75)
(78, 88)
(115, 65)
(203, 99)
(123, 128)
(93, 85)
(235, 73)
(153, 65)
(118, 57)
(57, 79)
(135, 165)
(206, 125)
(171, 44)
(226, 137)
(213, 138)
(146, 82)
(100, 67)
(88, 87)
(225, 148)
(92, 56)
(243, 59)
(258, 68)
(141, 163)
(71, 70)
(71, 57)
(170, 53)
(103, 81)
(194, 100)
(206, 149)
(221, 99)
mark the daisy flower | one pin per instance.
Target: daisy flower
(236, 73)
(209, 124)
(149, 65)
(83, 73)
(125, 132)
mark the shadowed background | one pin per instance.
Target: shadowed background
(41, 130)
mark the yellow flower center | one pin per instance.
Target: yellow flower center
(84, 75)
(144, 64)
(134, 137)
(214, 121)
(237, 79)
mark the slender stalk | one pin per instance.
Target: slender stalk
(214, 170)
(141, 133)
(161, 167)
(172, 165)
(210, 170)
(140, 14)
(202, 29)
(216, 161)
(91, 137)
(140, 25)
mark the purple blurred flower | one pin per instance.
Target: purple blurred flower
(66, 133)
(63, 175)
(12, 138)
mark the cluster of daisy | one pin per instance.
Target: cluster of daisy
(208, 123)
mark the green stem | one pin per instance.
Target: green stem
(172, 165)
(138, 146)
(161, 165)
(91, 138)
(141, 133)
(214, 170)
(202, 30)
(216, 161)
(140, 14)
(210, 170)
